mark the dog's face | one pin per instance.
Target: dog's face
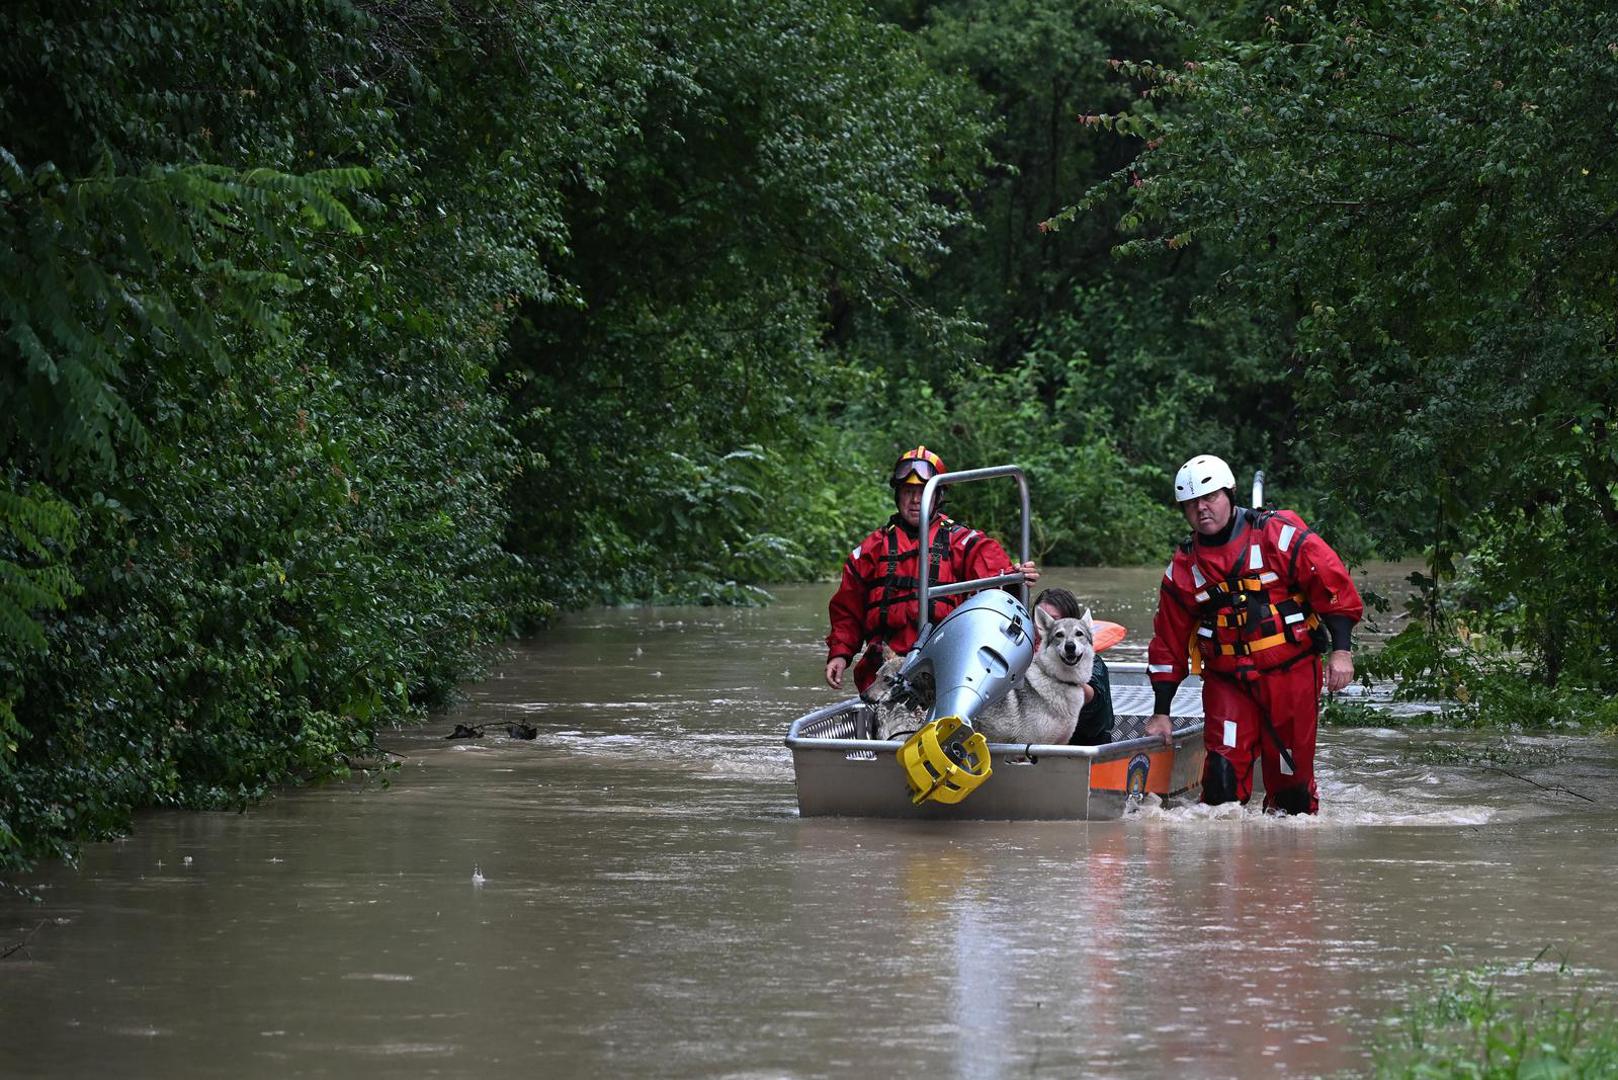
(1071, 641)
(886, 682)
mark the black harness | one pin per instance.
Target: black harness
(900, 588)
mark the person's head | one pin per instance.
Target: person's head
(910, 475)
(1061, 603)
(1206, 491)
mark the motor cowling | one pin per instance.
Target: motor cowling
(974, 657)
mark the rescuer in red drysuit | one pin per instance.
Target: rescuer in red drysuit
(876, 603)
(1252, 600)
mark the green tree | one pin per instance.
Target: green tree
(257, 264)
(1101, 374)
(1418, 200)
(792, 161)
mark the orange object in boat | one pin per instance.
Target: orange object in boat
(1108, 634)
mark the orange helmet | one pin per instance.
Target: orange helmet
(915, 467)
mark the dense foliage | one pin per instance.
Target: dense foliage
(1100, 375)
(789, 161)
(256, 478)
(262, 432)
(1418, 201)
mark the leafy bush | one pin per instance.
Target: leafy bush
(1411, 206)
(261, 274)
(1090, 505)
(1489, 1023)
(256, 478)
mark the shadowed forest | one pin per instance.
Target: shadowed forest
(341, 340)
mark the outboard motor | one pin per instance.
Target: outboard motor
(972, 659)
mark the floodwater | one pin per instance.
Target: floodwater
(650, 904)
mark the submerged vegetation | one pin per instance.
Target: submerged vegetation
(340, 339)
(1498, 1024)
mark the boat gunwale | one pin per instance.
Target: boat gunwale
(1103, 752)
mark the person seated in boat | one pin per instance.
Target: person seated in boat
(875, 604)
(1095, 719)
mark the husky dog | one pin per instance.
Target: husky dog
(900, 711)
(1044, 709)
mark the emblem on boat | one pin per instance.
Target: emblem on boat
(1135, 784)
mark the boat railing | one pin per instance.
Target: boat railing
(926, 592)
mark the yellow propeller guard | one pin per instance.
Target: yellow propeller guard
(941, 767)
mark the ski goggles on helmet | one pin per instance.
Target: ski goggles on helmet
(913, 471)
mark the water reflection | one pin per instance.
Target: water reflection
(1086, 948)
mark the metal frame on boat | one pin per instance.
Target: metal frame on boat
(842, 771)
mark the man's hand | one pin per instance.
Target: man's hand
(1161, 726)
(834, 672)
(1339, 670)
(1029, 571)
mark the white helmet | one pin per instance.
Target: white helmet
(1200, 475)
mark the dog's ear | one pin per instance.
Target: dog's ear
(1085, 618)
(1043, 621)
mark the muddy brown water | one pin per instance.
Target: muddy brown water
(651, 904)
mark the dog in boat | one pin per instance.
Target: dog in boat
(899, 709)
(1043, 709)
